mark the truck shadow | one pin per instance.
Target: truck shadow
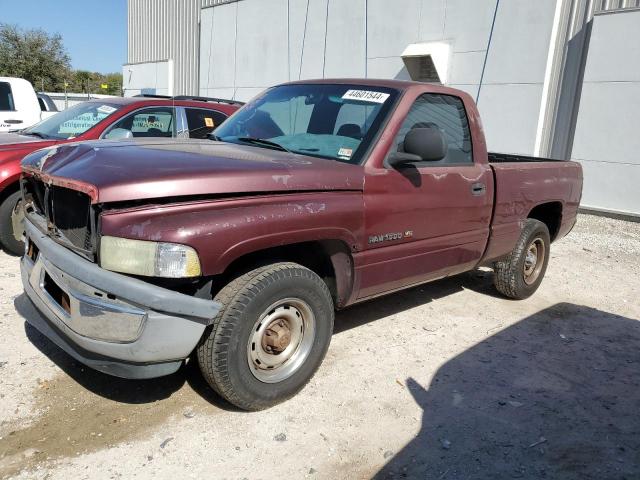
(363, 313)
(556, 395)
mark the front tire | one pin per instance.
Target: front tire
(11, 226)
(520, 274)
(269, 338)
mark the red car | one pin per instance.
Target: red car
(112, 118)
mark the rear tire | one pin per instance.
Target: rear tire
(520, 274)
(9, 221)
(269, 338)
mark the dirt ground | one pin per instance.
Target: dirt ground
(443, 381)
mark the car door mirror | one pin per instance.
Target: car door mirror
(119, 134)
(428, 144)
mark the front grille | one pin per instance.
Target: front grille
(71, 216)
(66, 213)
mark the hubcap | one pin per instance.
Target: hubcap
(281, 340)
(533, 261)
(17, 221)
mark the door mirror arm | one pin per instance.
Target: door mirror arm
(402, 159)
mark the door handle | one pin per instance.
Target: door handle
(13, 122)
(478, 189)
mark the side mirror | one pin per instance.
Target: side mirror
(398, 159)
(119, 134)
(421, 145)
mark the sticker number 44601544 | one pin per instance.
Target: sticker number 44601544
(366, 96)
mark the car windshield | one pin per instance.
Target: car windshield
(74, 121)
(332, 121)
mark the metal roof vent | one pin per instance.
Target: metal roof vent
(427, 62)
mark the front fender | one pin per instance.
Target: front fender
(9, 176)
(222, 231)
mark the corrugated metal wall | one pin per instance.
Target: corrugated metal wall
(611, 5)
(166, 29)
(213, 3)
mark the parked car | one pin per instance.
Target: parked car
(112, 118)
(46, 103)
(318, 195)
(20, 106)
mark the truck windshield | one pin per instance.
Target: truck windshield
(332, 121)
(74, 121)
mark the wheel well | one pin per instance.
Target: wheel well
(550, 214)
(8, 190)
(318, 256)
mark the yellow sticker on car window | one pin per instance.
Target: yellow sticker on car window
(208, 121)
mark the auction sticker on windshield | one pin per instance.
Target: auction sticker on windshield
(106, 109)
(366, 96)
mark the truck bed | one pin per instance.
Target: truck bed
(495, 157)
(523, 183)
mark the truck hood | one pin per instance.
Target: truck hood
(159, 168)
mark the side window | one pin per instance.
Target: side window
(202, 122)
(447, 114)
(149, 122)
(6, 98)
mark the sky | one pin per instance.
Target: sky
(94, 32)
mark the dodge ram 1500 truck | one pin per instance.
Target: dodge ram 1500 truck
(314, 196)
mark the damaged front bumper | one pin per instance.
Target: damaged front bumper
(110, 322)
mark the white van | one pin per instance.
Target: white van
(19, 106)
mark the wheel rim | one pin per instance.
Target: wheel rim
(17, 221)
(533, 261)
(281, 340)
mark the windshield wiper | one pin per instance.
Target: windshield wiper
(266, 143)
(35, 134)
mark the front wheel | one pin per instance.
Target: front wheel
(11, 224)
(270, 336)
(520, 274)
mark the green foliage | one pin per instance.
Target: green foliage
(81, 80)
(42, 59)
(33, 55)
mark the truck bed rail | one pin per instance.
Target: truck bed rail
(510, 158)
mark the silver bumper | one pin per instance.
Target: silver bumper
(110, 322)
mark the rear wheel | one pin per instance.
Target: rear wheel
(270, 336)
(520, 274)
(11, 224)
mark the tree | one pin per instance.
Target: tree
(113, 82)
(34, 55)
(83, 81)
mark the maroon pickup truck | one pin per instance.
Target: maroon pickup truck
(314, 196)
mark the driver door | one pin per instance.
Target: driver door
(429, 219)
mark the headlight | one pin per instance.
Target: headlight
(150, 259)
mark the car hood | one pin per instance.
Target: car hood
(10, 141)
(137, 170)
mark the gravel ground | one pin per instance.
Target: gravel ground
(443, 381)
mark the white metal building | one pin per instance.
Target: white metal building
(554, 78)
